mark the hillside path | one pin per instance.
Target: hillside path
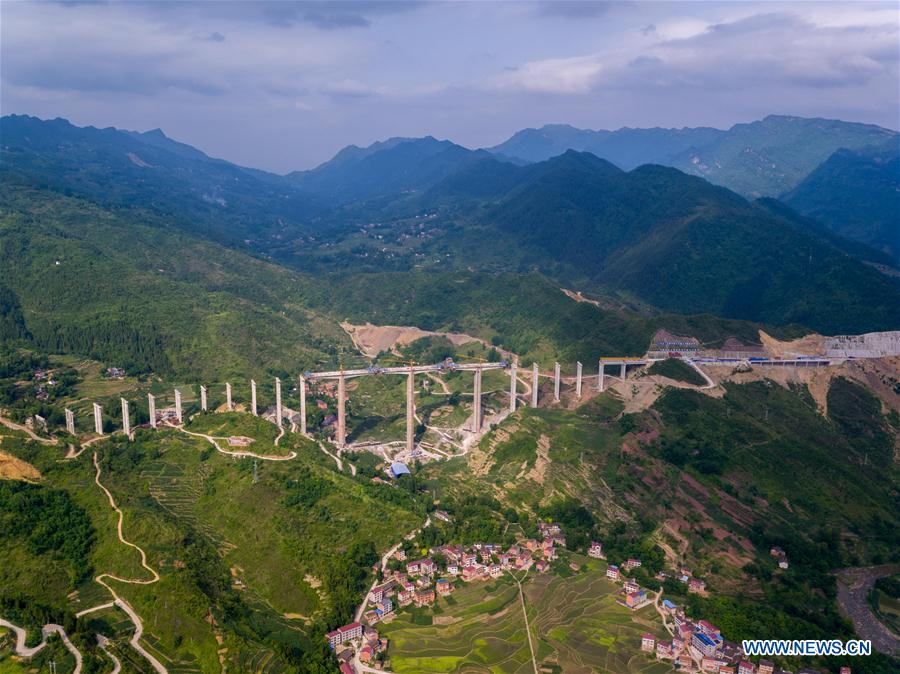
(227, 452)
(51, 628)
(121, 603)
(9, 423)
(527, 625)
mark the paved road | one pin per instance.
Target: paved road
(854, 585)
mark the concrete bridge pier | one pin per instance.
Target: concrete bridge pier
(600, 376)
(253, 398)
(556, 382)
(203, 405)
(342, 416)
(410, 410)
(477, 400)
(126, 419)
(578, 379)
(513, 383)
(151, 406)
(70, 422)
(178, 406)
(624, 367)
(303, 405)
(534, 385)
(278, 401)
(98, 419)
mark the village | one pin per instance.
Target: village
(696, 645)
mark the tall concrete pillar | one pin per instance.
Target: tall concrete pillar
(228, 404)
(98, 419)
(624, 366)
(178, 415)
(477, 398)
(303, 405)
(534, 385)
(126, 419)
(70, 422)
(203, 402)
(151, 405)
(342, 413)
(578, 379)
(278, 401)
(253, 397)
(600, 376)
(556, 382)
(410, 410)
(513, 384)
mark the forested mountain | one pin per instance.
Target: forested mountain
(857, 194)
(654, 237)
(385, 168)
(119, 168)
(674, 241)
(626, 148)
(763, 158)
(127, 288)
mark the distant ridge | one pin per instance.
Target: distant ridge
(762, 158)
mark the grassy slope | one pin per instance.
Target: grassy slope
(724, 482)
(182, 503)
(528, 315)
(131, 291)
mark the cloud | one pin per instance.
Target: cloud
(772, 49)
(573, 9)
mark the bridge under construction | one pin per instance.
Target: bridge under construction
(617, 364)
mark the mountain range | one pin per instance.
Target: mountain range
(653, 238)
(763, 158)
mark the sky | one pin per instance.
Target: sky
(283, 86)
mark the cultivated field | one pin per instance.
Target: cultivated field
(575, 623)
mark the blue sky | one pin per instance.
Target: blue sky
(283, 85)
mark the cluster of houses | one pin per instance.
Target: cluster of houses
(633, 595)
(684, 575)
(42, 379)
(422, 581)
(358, 640)
(698, 646)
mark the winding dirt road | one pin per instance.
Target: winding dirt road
(103, 577)
(9, 423)
(241, 454)
(23, 651)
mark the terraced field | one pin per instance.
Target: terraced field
(576, 624)
(582, 629)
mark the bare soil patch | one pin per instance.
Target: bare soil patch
(13, 468)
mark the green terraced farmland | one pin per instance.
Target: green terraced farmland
(575, 623)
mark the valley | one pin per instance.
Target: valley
(566, 404)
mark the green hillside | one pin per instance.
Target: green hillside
(653, 236)
(122, 169)
(126, 288)
(856, 194)
(275, 554)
